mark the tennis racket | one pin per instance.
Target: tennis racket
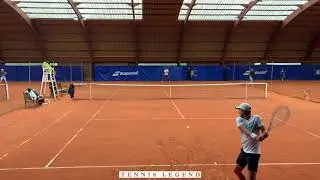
(280, 116)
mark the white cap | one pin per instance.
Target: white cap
(244, 107)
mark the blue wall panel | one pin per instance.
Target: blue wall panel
(21, 73)
(154, 73)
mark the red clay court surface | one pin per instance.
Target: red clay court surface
(93, 140)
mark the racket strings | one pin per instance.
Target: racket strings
(280, 116)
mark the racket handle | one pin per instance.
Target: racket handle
(265, 135)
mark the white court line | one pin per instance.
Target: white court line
(4, 156)
(312, 134)
(39, 132)
(195, 118)
(24, 142)
(159, 165)
(301, 129)
(158, 118)
(74, 136)
(55, 122)
(79, 131)
(304, 130)
(174, 104)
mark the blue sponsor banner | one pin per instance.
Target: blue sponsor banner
(208, 73)
(205, 73)
(21, 73)
(266, 72)
(261, 72)
(135, 73)
(116, 73)
(155, 73)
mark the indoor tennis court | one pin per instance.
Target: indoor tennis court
(155, 86)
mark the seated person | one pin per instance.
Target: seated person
(35, 96)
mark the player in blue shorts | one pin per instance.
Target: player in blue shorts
(250, 127)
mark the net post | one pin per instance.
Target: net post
(81, 71)
(7, 90)
(246, 91)
(45, 85)
(266, 91)
(91, 69)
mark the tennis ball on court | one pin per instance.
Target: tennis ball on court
(188, 127)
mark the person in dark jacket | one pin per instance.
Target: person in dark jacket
(190, 73)
(71, 90)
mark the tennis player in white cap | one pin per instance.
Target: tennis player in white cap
(3, 76)
(250, 127)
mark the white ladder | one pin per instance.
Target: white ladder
(49, 77)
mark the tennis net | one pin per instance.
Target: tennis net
(96, 91)
(4, 91)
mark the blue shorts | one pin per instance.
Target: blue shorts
(252, 160)
(166, 78)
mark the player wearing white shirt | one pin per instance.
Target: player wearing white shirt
(3, 76)
(166, 76)
(251, 75)
(250, 127)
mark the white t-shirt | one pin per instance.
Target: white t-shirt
(2, 73)
(166, 72)
(253, 124)
(33, 95)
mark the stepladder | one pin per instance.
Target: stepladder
(48, 77)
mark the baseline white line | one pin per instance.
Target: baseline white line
(75, 135)
(159, 118)
(80, 130)
(196, 118)
(156, 165)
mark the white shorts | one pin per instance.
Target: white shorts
(3, 78)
